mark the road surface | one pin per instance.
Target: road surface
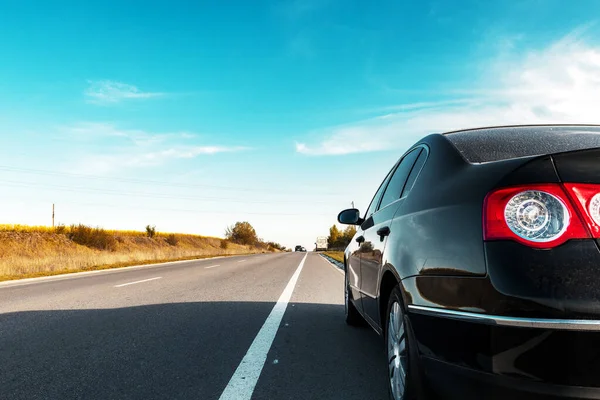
(247, 327)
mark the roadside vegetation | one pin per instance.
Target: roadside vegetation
(244, 234)
(29, 251)
(337, 241)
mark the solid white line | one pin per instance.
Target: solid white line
(242, 383)
(73, 275)
(212, 266)
(332, 265)
(133, 283)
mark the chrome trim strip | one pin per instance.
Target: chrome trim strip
(556, 324)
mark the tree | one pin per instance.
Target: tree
(334, 236)
(242, 233)
(340, 239)
(348, 234)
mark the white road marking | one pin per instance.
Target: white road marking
(74, 275)
(241, 261)
(333, 265)
(145, 280)
(242, 383)
(212, 266)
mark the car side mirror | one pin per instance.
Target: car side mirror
(350, 216)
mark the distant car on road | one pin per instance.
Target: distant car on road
(300, 248)
(477, 261)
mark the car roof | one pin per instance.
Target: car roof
(506, 128)
(498, 143)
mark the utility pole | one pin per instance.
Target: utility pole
(53, 215)
(352, 204)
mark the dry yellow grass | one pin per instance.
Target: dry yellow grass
(25, 228)
(27, 251)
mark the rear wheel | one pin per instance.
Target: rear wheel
(353, 317)
(401, 371)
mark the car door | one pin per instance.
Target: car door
(376, 233)
(354, 248)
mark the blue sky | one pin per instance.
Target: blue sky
(194, 115)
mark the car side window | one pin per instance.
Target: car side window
(412, 178)
(375, 201)
(396, 185)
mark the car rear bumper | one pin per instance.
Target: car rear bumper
(470, 355)
(454, 382)
(517, 322)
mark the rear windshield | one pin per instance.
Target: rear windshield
(495, 144)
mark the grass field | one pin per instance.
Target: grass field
(336, 255)
(29, 251)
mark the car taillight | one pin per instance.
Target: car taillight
(540, 216)
(586, 197)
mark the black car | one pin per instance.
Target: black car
(300, 248)
(478, 261)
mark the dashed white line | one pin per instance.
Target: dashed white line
(212, 266)
(241, 261)
(242, 383)
(142, 281)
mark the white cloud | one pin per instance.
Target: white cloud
(182, 152)
(134, 148)
(130, 158)
(102, 130)
(558, 84)
(111, 92)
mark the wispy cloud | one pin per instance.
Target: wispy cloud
(190, 152)
(104, 130)
(134, 148)
(126, 159)
(112, 92)
(557, 84)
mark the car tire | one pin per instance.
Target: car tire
(353, 317)
(400, 351)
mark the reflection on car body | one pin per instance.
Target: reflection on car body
(477, 261)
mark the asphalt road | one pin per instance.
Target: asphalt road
(259, 327)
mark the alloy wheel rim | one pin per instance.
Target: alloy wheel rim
(397, 352)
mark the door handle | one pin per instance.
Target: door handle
(360, 239)
(382, 232)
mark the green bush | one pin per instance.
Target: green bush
(242, 233)
(276, 246)
(150, 231)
